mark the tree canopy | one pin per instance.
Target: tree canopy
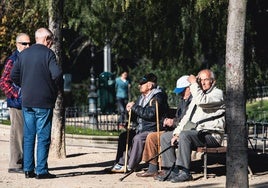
(167, 37)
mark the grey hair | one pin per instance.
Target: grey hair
(43, 32)
(212, 75)
(20, 35)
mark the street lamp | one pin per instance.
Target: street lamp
(92, 101)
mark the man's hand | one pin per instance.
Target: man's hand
(168, 122)
(129, 106)
(174, 140)
(192, 78)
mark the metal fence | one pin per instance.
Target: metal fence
(80, 117)
(4, 111)
(262, 91)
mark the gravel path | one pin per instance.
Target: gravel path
(86, 162)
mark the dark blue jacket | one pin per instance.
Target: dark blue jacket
(40, 77)
(145, 115)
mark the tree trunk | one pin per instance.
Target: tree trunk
(57, 147)
(237, 155)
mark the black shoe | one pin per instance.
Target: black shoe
(183, 176)
(15, 170)
(168, 176)
(30, 174)
(45, 176)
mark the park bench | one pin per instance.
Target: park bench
(206, 151)
(216, 150)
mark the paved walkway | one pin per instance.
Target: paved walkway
(86, 161)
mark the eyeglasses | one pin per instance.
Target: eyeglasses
(204, 80)
(25, 43)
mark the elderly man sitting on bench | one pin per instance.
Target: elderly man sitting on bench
(206, 113)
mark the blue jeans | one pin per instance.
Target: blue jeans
(37, 122)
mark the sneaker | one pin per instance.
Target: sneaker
(181, 177)
(117, 168)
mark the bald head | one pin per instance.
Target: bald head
(44, 36)
(206, 79)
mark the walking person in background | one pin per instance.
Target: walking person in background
(122, 87)
(40, 77)
(13, 95)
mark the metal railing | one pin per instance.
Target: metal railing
(259, 132)
(262, 91)
(81, 117)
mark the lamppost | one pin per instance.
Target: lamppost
(92, 101)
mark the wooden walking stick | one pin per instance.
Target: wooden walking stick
(127, 140)
(146, 162)
(158, 130)
(158, 133)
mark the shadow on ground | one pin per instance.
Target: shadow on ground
(216, 166)
(258, 164)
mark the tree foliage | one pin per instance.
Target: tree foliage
(18, 16)
(176, 37)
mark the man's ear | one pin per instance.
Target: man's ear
(151, 86)
(213, 82)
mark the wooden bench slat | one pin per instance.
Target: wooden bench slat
(221, 149)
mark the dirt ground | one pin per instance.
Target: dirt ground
(86, 161)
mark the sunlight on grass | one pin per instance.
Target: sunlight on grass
(87, 131)
(257, 110)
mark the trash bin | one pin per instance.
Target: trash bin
(67, 82)
(106, 92)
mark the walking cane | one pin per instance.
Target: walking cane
(157, 155)
(158, 130)
(127, 140)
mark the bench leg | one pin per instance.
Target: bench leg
(250, 171)
(205, 165)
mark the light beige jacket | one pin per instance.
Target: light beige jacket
(210, 103)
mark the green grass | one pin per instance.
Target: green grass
(5, 122)
(87, 131)
(257, 110)
(80, 130)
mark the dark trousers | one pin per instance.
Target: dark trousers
(188, 141)
(168, 157)
(121, 147)
(136, 146)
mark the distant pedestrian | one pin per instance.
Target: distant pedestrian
(13, 95)
(40, 77)
(122, 87)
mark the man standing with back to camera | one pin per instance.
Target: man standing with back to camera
(40, 77)
(12, 93)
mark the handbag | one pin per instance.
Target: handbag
(189, 126)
